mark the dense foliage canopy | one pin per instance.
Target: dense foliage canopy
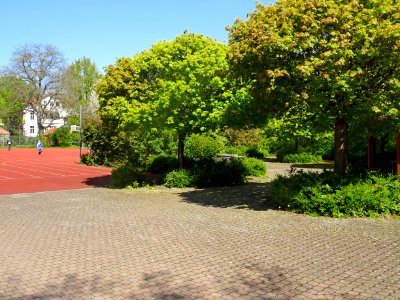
(12, 102)
(331, 62)
(179, 85)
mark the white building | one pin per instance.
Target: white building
(52, 108)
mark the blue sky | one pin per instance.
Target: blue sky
(109, 29)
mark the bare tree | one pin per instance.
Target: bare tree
(42, 67)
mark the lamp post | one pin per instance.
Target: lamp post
(80, 131)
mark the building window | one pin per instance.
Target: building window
(32, 129)
(32, 115)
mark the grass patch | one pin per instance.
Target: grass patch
(301, 158)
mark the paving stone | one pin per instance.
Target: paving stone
(188, 244)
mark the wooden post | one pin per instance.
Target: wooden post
(398, 154)
(371, 152)
(341, 145)
(382, 143)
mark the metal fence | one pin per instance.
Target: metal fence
(19, 141)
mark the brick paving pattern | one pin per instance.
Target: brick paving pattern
(188, 244)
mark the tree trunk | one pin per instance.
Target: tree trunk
(39, 122)
(181, 144)
(341, 145)
(371, 152)
(398, 154)
(382, 145)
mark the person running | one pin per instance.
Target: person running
(39, 147)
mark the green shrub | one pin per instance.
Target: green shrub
(162, 164)
(199, 147)
(301, 158)
(61, 137)
(338, 195)
(75, 138)
(125, 175)
(219, 172)
(88, 159)
(179, 178)
(254, 167)
(207, 173)
(256, 153)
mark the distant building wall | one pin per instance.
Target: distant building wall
(30, 127)
(30, 121)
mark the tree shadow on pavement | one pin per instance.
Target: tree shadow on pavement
(71, 287)
(99, 181)
(250, 196)
(249, 279)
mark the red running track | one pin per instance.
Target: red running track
(25, 171)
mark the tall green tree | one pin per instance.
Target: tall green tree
(78, 87)
(12, 102)
(337, 60)
(179, 85)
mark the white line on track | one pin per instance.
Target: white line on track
(56, 170)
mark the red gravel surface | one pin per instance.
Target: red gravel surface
(25, 171)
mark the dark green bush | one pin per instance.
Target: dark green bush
(301, 158)
(220, 172)
(256, 153)
(338, 195)
(322, 145)
(254, 167)
(179, 178)
(207, 173)
(162, 164)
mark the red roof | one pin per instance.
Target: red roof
(46, 133)
(4, 132)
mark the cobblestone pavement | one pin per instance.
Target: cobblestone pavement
(188, 244)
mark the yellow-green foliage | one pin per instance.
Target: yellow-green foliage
(322, 64)
(254, 167)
